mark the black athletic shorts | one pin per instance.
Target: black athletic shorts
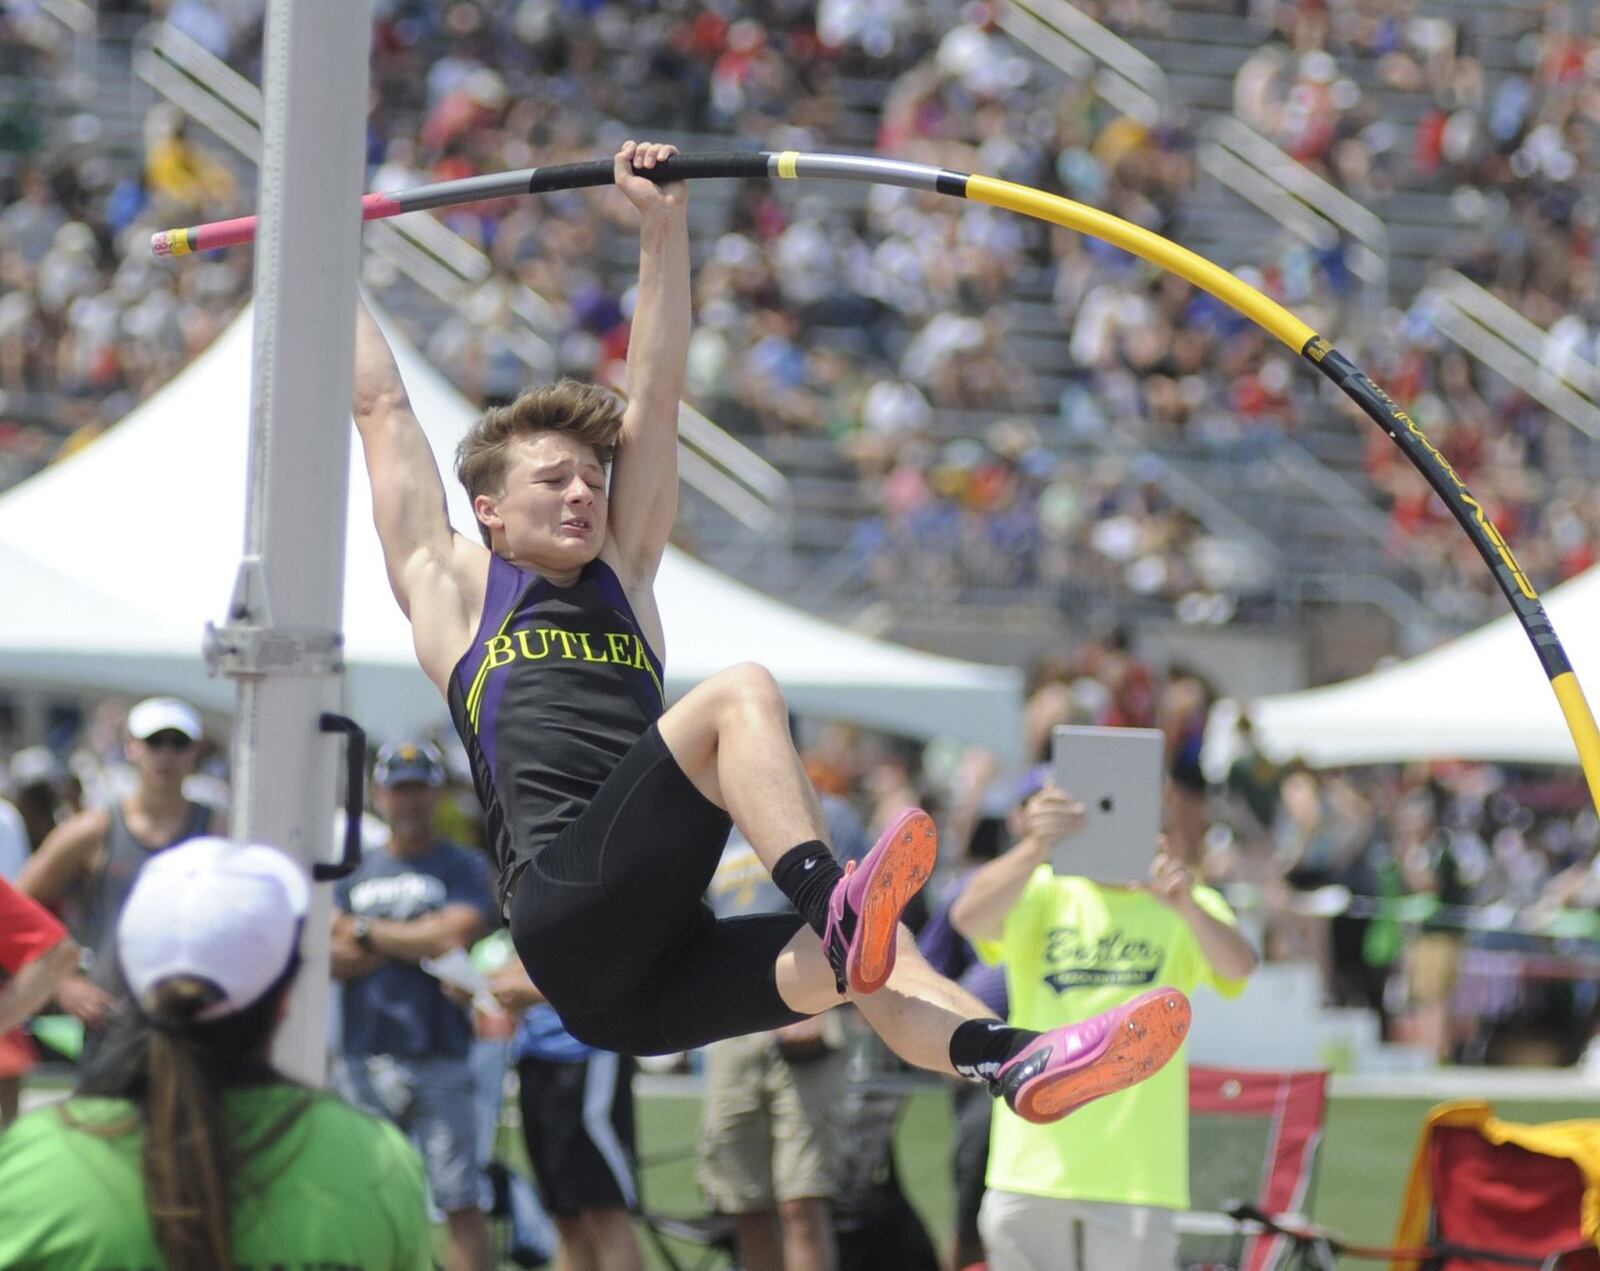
(577, 1122)
(610, 921)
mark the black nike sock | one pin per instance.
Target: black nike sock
(979, 1048)
(806, 875)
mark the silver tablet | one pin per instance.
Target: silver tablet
(1116, 773)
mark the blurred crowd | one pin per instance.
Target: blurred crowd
(1469, 933)
(968, 369)
(872, 325)
(999, 393)
(1508, 149)
(1453, 900)
(882, 325)
(1452, 903)
(1497, 854)
(90, 324)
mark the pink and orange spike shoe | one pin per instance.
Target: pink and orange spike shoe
(864, 910)
(1073, 1065)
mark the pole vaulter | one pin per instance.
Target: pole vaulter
(793, 165)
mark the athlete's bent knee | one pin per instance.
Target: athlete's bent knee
(751, 688)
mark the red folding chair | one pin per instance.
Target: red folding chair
(1253, 1140)
(1486, 1194)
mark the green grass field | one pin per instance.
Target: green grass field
(1362, 1168)
(1365, 1156)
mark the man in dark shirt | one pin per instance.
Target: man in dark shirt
(404, 1044)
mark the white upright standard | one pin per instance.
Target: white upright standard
(282, 640)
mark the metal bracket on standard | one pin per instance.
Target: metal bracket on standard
(249, 643)
(237, 649)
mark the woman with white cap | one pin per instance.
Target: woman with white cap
(183, 1147)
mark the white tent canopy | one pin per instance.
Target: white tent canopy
(1482, 696)
(112, 561)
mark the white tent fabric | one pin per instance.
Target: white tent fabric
(1482, 696)
(112, 561)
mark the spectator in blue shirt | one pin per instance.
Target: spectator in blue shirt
(405, 1043)
(578, 1126)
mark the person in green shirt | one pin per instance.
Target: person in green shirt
(183, 1147)
(1098, 1189)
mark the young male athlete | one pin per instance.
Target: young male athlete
(608, 811)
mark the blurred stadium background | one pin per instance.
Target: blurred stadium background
(932, 422)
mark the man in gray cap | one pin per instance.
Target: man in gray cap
(88, 864)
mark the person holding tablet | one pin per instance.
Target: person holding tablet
(1102, 1185)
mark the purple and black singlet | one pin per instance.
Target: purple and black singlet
(605, 847)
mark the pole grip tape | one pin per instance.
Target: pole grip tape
(576, 176)
(1468, 512)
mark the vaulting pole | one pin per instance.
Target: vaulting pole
(793, 165)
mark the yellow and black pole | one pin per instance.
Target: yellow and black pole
(791, 165)
(1360, 388)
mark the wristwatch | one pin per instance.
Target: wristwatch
(361, 933)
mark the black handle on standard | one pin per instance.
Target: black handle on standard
(575, 176)
(355, 762)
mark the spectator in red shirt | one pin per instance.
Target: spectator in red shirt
(36, 954)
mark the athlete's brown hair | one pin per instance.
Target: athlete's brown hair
(585, 412)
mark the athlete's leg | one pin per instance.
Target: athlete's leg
(730, 735)
(595, 912)
(756, 973)
(933, 1023)
(916, 1012)
(718, 981)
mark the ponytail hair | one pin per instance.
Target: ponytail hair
(175, 1067)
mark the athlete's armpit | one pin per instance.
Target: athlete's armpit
(443, 597)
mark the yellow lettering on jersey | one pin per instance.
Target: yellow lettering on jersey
(544, 644)
(537, 644)
(500, 652)
(642, 662)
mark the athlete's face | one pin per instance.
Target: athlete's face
(551, 515)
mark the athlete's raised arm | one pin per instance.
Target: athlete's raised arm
(644, 475)
(437, 575)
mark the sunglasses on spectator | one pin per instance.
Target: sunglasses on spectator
(169, 739)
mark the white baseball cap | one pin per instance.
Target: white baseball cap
(158, 714)
(35, 766)
(218, 911)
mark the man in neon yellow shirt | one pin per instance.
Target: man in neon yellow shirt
(1098, 1190)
